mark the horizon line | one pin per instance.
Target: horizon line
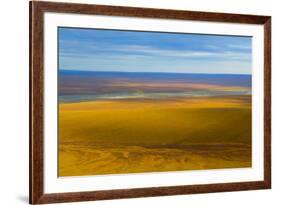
(156, 72)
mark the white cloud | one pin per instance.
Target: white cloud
(144, 51)
(237, 46)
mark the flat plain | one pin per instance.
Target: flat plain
(115, 136)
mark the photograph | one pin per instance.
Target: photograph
(129, 102)
(146, 101)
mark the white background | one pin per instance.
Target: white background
(14, 101)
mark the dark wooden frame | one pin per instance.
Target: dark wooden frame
(37, 9)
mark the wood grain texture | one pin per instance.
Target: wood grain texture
(37, 9)
(36, 103)
(267, 103)
(149, 13)
(149, 192)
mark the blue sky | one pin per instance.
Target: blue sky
(111, 50)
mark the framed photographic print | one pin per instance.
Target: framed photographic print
(135, 102)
